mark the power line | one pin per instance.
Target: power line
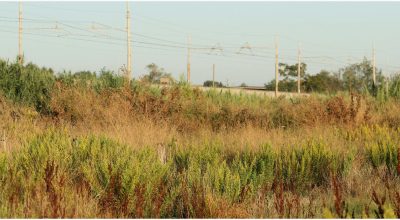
(162, 44)
(41, 6)
(143, 42)
(119, 39)
(85, 30)
(152, 44)
(119, 44)
(128, 39)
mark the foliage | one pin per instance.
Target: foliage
(394, 87)
(290, 71)
(323, 82)
(109, 80)
(209, 83)
(290, 77)
(142, 151)
(212, 171)
(286, 85)
(311, 166)
(384, 153)
(155, 74)
(137, 183)
(27, 84)
(85, 79)
(357, 77)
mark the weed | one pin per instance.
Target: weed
(379, 201)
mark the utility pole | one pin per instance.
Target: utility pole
(373, 65)
(128, 41)
(298, 69)
(20, 33)
(276, 67)
(188, 59)
(213, 76)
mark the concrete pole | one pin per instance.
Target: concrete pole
(128, 43)
(20, 53)
(276, 67)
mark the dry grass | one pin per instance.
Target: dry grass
(143, 121)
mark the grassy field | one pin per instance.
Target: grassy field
(94, 146)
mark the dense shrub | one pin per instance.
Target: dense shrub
(138, 183)
(311, 165)
(27, 84)
(91, 80)
(394, 87)
(386, 154)
(382, 149)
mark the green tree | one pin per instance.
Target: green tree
(85, 75)
(357, 77)
(289, 74)
(290, 71)
(209, 83)
(324, 82)
(155, 74)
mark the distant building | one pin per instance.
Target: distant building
(165, 80)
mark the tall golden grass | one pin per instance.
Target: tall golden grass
(98, 155)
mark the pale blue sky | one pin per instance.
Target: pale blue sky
(63, 35)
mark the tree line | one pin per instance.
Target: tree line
(355, 77)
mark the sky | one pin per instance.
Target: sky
(238, 37)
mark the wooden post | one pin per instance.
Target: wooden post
(128, 41)
(276, 67)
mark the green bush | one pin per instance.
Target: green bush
(107, 80)
(27, 84)
(86, 79)
(394, 87)
(311, 165)
(383, 153)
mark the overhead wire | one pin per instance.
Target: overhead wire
(120, 44)
(169, 45)
(155, 44)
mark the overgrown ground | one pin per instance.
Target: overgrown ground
(93, 146)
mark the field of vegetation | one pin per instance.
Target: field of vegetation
(94, 145)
